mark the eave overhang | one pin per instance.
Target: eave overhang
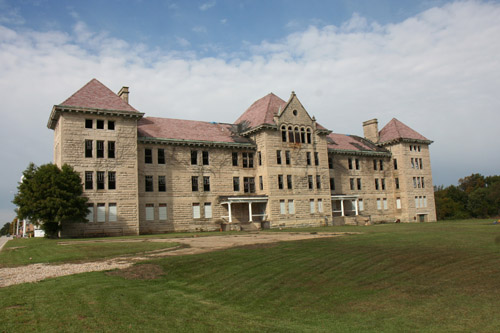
(196, 143)
(359, 152)
(399, 140)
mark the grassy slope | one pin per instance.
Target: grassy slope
(393, 278)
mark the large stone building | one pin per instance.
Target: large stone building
(275, 166)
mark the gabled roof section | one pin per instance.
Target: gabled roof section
(262, 111)
(396, 130)
(189, 131)
(352, 144)
(95, 95)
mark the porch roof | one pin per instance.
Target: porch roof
(243, 199)
(345, 197)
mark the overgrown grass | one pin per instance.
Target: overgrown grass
(436, 277)
(41, 250)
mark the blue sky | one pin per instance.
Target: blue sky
(434, 65)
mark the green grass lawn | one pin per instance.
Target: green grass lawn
(41, 250)
(434, 277)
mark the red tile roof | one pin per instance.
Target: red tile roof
(96, 95)
(352, 143)
(395, 130)
(262, 111)
(177, 129)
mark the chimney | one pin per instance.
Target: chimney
(370, 130)
(123, 94)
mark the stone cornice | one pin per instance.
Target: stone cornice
(195, 143)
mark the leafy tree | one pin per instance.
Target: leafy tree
(5, 229)
(51, 196)
(472, 182)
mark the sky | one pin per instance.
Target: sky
(434, 65)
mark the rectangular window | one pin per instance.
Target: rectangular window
(421, 165)
(236, 184)
(194, 183)
(421, 199)
(398, 203)
(111, 149)
(416, 164)
(418, 182)
(289, 181)
(412, 163)
(308, 158)
(208, 210)
(100, 149)
(280, 182)
(150, 212)
(351, 183)
(260, 157)
(318, 182)
(320, 205)
(383, 183)
(291, 208)
(332, 184)
(249, 184)
(235, 158)
(310, 182)
(385, 203)
(194, 157)
(416, 202)
(148, 156)
(316, 158)
(278, 156)
(282, 207)
(311, 206)
(358, 181)
(379, 204)
(162, 212)
(287, 157)
(381, 165)
(247, 160)
(349, 162)
(112, 212)
(423, 184)
(100, 124)
(261, 183)
(101, 212)
(100, 180)
(162, 184)
(396, 181)
(196, 210)
(395, 164)
(111, 180)
(361, 205)
(425, 201)
(149, 183)
(374, 164)
(204, 155)
(414, 182)
(88, 148)
(206, 183)
(161, 156)
(111, 125)
(376, 184)
(90, 215)
(357, 164)
(89, 123)
(330, 162)
(89, 182)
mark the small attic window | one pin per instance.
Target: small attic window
(88, 123)
(100, 124)
(294, 113)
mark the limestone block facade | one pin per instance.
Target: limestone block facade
(273, 167)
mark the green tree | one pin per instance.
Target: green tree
(51, 196)
(5, 229)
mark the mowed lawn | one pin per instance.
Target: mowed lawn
(433, 277)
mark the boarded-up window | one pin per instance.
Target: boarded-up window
(112, 212)
(320, 205)
(398, 203)
(90, 215)
(196, 210)
(208, 210)
(385, 203)
(101, 212)
(282, 207)
(162, 212)
(150, 212)
(311, 206)
(291, 208)
(361, 204)
(379, 204)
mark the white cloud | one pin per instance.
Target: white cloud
(200, 29)
(207, 5)
(437, 72)
(182, 41)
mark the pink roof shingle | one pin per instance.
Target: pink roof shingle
(177, 129)
(262, 111)
(395, 130)
(350, 142)
(96, 95)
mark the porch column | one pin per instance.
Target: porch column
(342, 207)
(356, 207)
(250, 212)
(230, 215)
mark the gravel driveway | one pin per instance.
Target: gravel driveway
(38, 272)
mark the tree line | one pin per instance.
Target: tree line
(475, 196)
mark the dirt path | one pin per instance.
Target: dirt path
(38, 272)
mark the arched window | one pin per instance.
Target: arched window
(308, 135)
(290, 134)
(297, 135)
(283, 133)
(302, 135)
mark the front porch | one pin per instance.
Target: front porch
(245, 210)
(345, 205)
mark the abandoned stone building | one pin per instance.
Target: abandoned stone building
(275, 166)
